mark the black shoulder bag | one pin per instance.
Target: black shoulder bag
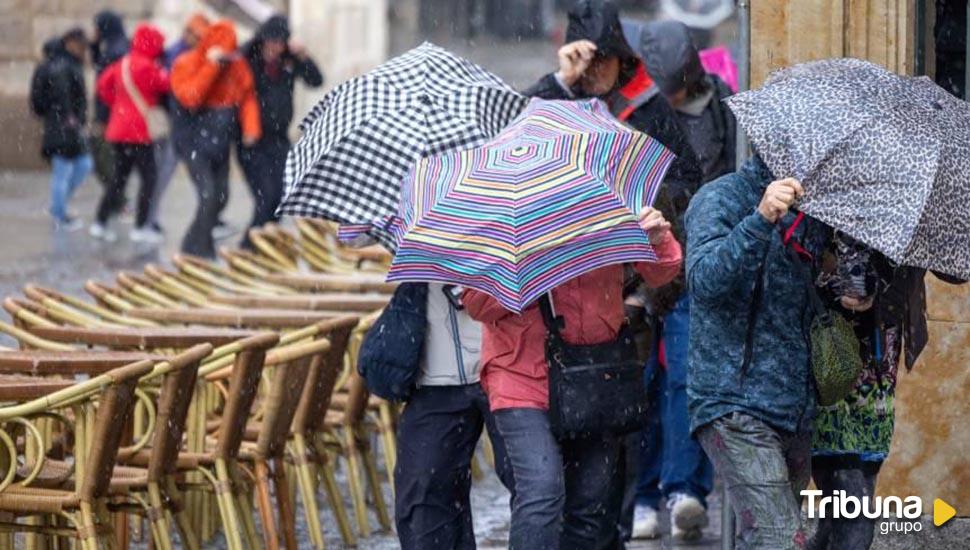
(592, 388)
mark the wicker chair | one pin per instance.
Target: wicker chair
(85, 506)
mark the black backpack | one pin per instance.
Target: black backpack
(390, 356)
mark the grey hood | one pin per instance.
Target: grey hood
(670, 55)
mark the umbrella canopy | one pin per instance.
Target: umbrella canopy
(364, 135)
(552, 197)
(882, 157)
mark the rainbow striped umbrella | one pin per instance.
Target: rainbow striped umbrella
(552, 197)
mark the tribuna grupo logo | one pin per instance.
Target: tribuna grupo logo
(900, 515)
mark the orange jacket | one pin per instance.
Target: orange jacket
(199, 82)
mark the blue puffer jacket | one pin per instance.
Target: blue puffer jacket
(729, 246)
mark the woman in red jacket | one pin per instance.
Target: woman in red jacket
(561, 487)
(130, 87)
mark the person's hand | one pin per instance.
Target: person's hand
(249, 141)
(216, 54)
(574, 59)
(856, 304)
(778, 198)
(654, 224)
(297, 49)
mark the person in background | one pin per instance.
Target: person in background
(128, 85)
(749, 387)
(886, 304)
(57, 95)
(165, 157)
(216, 98)
(108, 45)
(439, 430)
(277, 63)
(673, 466)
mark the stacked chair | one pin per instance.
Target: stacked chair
(204, 399)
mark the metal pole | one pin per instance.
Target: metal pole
(919, 65)
(744, 83)
(966, 57)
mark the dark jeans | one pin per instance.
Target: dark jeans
(671, 460)
(562, 488)
(263, 165)
(128, 156)
(437, 435)
(857, 479)
(211, 180)
(764, 471)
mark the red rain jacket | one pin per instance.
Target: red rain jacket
(125, 123)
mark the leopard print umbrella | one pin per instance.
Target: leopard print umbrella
(884, 158)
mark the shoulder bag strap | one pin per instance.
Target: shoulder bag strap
(553, 323)
(133, 92)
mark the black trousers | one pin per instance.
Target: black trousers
(263, 165)
(211, 179)
(128, 156)
(437, 435)
(858, 479)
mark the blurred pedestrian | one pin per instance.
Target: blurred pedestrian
(130, 87)
(750, 392)
(216, 94)
(57, 94)
(277, 62)
(673, 465)
(165, 157)
(108, 45)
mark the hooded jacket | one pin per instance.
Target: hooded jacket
(275, 83)
(200, 83)
(58, 95)
(125, 123)
(749, 348)
(111, 45)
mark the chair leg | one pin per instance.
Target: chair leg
(89, 527)
(389, 442)
(190, 541)
(227, 509)
(265, 505)
(336, 501)
(156, 515)
(374, 482)
(287, 515)
(304, 476)
(354, 475)
(244, 505)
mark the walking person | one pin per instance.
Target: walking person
(217, 99)
(750, 392)
(130, 87)
(165, 157)
(563, 487)
(439, 430)
(277, 62)
(886, 304)
(673, 465)
(57, 94)
(108, 45)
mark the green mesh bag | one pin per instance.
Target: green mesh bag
(836, 363)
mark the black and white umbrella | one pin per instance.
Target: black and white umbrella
(884, 158)
(364, 135)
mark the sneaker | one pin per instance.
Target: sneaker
(223, 230)
(102, 232)
(146, 235)
(688, 517)
(69, 224)
(646, 523)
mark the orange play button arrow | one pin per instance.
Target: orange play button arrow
(942, 512)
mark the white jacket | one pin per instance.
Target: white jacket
(452, 345)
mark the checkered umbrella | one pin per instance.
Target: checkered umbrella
(360, 140)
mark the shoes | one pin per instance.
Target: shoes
(102, 232)
(69, 224)
(146, 234)
(688, 517)
(646, 523)
(223, 230)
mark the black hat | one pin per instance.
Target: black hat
(599, 22)
(275, 28)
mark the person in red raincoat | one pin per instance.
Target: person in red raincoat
(139, 72)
